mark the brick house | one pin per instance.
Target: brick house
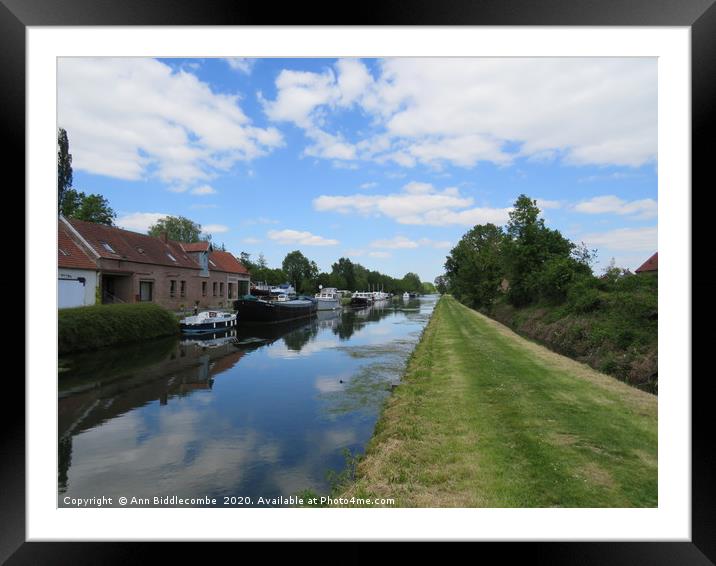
(77, 275)
(651, 265)
(135, 267)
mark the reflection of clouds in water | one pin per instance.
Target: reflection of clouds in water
(280, 350)
(176, 459)
(332, 383)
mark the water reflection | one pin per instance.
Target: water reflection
(263, 410)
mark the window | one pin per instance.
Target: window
(145, 291)
(214, 288)
(172, 288)
(231, 290)
(107, 247)
(203, 288)
(221, 289)
(182, 288)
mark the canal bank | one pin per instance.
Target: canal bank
(485, 418)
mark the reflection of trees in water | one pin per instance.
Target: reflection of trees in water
(353, 320)
(64, 453)
(299, 338)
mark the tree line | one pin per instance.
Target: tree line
(526, 262)
(305, 276)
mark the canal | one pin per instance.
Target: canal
(264, 411)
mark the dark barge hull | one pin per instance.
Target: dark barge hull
(273, 311)
(359, 302)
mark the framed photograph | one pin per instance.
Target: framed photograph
(398, 275)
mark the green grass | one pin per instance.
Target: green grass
(485, 418)
(85, 328)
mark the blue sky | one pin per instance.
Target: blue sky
(387, 162)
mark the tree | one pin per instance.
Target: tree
(474, 268)
(301, 272)
(64, 167)
(91, 208)
(411, 282)
(528, 248)
(343, 273)
(261, 263)
(441, 284)
(245, 259)
(177, 228)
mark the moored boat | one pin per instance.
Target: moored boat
(406, 296)
(361, 299)
(207, 321)
(328, 299)
(251, 309)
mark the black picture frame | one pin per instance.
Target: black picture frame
(699, 15)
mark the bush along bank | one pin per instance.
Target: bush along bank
(609, 325)
(534, 280)
(85, 328)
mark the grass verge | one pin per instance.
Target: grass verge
(485, 418)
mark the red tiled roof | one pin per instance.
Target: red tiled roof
(132, 246)
(224, 261)
(651, 264)
(69, 254)
(195, 246)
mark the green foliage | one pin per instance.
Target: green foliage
(474, 267)
(177, 228)
(64, 166)
(411, 282)
(91, 208)
(300, 271)
(85, 328)
(428, 288)
(441, 284)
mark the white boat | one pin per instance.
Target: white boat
(406, 296)
(380, 296)
(207, 321)
(328, 299)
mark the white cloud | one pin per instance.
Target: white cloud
(418, 203)
(401, 242)
(368, 185)
(623, 240)
(381, 255)
(461, 111)
(296, 237)
(203, 190)
(398, 242)
(214, 229)
(135, 118)
(543, 204)
(611, 204)
(139, 221)
(241, 64)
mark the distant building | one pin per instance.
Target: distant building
(133, 267)
(651, 265)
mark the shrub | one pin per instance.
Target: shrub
(85, 328)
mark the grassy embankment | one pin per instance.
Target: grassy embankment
(612, 326)
(85, 328)
(485, 418)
